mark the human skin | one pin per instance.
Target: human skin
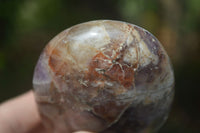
(20, 115)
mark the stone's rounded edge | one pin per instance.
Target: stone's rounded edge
(78, 88)
(42, 78)
(141, 116)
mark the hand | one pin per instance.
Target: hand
(20, 115)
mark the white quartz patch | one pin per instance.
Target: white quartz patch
(95, 37)
(131, 55)
(83, 46)
(145, 55)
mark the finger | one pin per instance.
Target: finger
(19, 115)
(38, 129)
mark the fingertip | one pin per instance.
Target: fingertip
(19, 114)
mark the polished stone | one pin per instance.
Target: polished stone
(104, 76)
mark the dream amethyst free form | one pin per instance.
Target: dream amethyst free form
(104, 76)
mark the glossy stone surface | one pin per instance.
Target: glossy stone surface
(104, 76)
